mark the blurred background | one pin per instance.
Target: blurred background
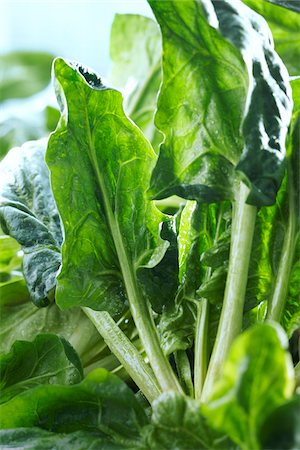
(75, 29)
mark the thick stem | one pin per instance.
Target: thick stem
(243, 224)
(201, 356)
(184, 371)
(126, 353)
(281, 285)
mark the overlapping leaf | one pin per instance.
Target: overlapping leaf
(100, 169)
(48, 359)
(285, 27)
(135, 49)
(209, 94)
(28, 213)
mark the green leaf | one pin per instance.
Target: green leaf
(24, 321)
(177, 423)
(37, 439)
(111, 229)
(28, 213)
(48, 359)
(135, 49)
(281, 428)
(257, 378)
(285, 27)
(24, 74)
(209, 94)
(101, 402)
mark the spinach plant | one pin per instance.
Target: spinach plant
(173, 266)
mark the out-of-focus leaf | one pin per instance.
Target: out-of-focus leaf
(293, 5)
(281, 428)
(135, 49)
(48, 359)
(23, 74)
(28, 213)
(257, 378)
(112, 231)
(100, 403)
(177, 423)
(24, 321)
(37, 439)
(285, 27)
(209, 94)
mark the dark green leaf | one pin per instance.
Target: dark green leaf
(257, 378)
(209, 95)
(101, 402)
(285, 27)
(111, 229)
(48, 359)
(24, 74)
(288, 4)
(135, 49)
(28, 213)
(37, 439)
(281, 428)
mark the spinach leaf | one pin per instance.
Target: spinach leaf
(135, 49)
(100, 403)
(48, 359)
(209, 94)
(177, 422)
(28, 213)
(285, 27)
(257, 378)
(111, 229)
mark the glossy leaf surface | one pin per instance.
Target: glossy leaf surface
(209, 94)
(111, 230)
(48, 359)
(28, 213)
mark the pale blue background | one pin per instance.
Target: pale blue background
(74, 29)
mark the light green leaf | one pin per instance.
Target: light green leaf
(209, 94)
(28, 213)
(257, 378)
(135, 49)
(111, 229)
(285, 27)
(48, 359)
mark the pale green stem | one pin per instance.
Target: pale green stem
(201, 356)
(243, 224)
(281, 285)
(201, 332)
(126, 353)
(184, 371)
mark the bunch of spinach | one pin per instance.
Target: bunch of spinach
(172, 266)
